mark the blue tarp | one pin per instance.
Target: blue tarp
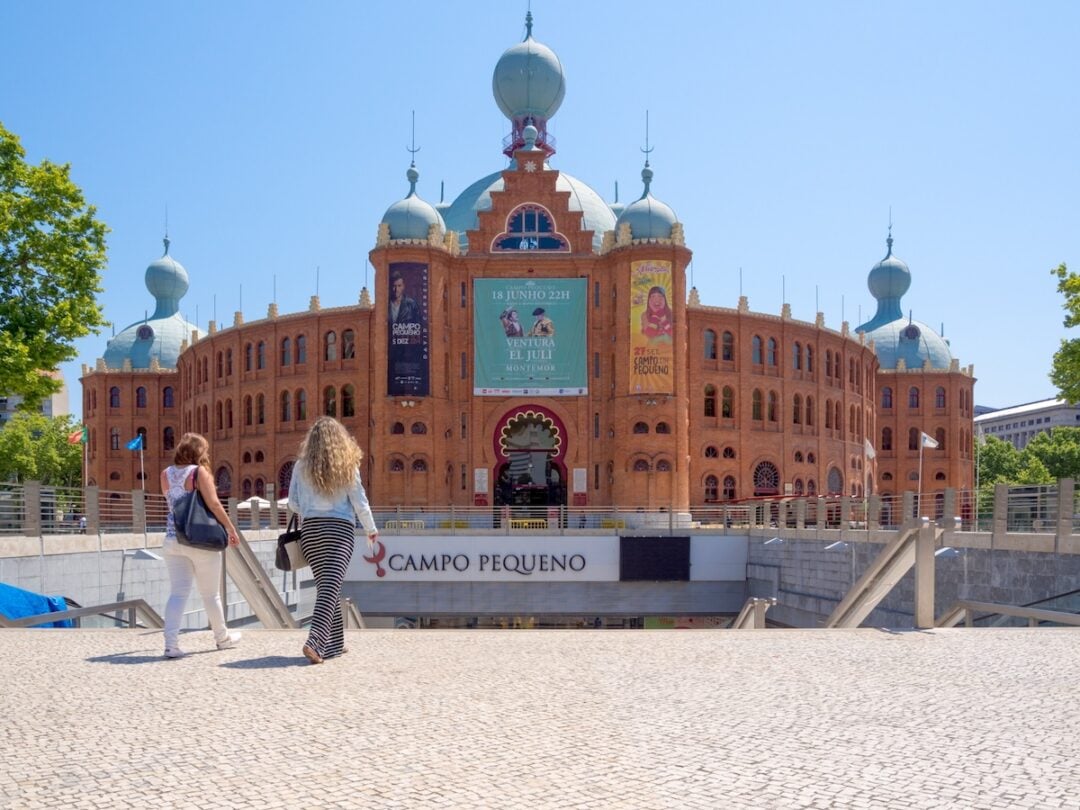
(15, 603)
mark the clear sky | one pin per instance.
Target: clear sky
(276, 133)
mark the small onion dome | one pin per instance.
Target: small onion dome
(528, 79)
(888, 280)
(161, 335)
(411, 218)
(647, 216)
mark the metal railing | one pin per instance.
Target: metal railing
(968, 612)
(33, 510)
(126, 613)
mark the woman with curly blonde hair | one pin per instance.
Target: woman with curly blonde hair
(325, 491)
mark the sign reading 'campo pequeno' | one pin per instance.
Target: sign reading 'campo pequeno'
(487, 559)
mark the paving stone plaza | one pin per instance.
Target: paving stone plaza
(544, 719)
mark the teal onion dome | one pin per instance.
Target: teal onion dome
(412, 217)
(528, 79)
(895, 337)
(160, 336)
(647, 217)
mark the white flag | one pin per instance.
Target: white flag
(929, 441)
(869, 448)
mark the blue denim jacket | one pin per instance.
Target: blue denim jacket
(348, 504)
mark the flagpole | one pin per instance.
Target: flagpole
(918, 507)
(142, 470)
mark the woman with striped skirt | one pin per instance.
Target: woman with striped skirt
(325, 491)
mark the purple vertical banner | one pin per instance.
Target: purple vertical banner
(408, 367)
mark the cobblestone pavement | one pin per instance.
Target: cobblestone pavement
(544, 719)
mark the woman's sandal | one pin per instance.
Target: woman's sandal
(311, 655)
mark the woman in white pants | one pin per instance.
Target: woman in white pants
(190, 566)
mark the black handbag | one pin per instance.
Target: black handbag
(195, 525)
(289, 557)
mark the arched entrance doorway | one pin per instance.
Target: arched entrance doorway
(530, 473)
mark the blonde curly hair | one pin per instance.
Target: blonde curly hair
(330, 456)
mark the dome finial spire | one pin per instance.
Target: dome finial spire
(166, 239)
(647, 148)
(528, 23)
(412, 174)
(889, 240)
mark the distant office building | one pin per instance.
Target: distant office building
(1022, 423)
(56, 405)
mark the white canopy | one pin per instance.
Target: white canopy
(251, 502)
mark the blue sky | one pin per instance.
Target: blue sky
(276, 135)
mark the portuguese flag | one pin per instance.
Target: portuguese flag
(77, 436)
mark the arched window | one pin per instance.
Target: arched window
(939, 397)
(836, 481)
(886, 397)
(641, 427)
(286, 406)
(663, 466)
(811, 488)
(851, 371)
(755, 356)
(246, 458)
(712, 452)
(798, 457)
(727, 347)
(729, 452)
(140, 397)
(796, 410)
(796, 356)
(168, 439)
(301, 405)
(809, 360)
(809, 410)
(220, 365)
(772, 406)
(839, 418)
(260, 487)
(348, 344)
(418, 428)
(886, 438)
(245, 488)
(729, 488)
(330, 401)
(772, 352)
(259, 457)
(710, 344)
(249, 353)
(939, 436)
(799, 489)
(286, 352)
(348, 401)
(766, 479)
(330, 346)
(168, 397)
(913, 439)
(641, 465)
(247, 411)
(712, 488)
(727, 403)
(285, 476)
(886, 476)
(397, 429)
(301, 349)
(710, 400)
(219, 413)
(828, 413)
(114, 397)
(419, 466)
(260, 356)
(913, 397)
(223, 482)
(228, 362)
(755, 405)
(228, 414)
(260, 410)
(828, 363)
(397, 465)
(114, 476)
(663, 427)
(811, 458)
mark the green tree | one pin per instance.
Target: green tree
(35, 447)
(997, 462)
(52, 252)
(1065, 368)
(1058, 451)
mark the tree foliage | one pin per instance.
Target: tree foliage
(52, 252)
(1047, 458)
(34, 447)
(1065, 368)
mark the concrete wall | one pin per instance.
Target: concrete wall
(808, 582)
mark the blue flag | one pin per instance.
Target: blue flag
(136, 443)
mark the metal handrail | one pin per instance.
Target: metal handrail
(964, 611)
(133, 608)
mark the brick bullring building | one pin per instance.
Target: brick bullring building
(533, 344)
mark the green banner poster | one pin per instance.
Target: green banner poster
(530, 337)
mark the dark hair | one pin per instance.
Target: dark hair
(538, 311)
(192, 449)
